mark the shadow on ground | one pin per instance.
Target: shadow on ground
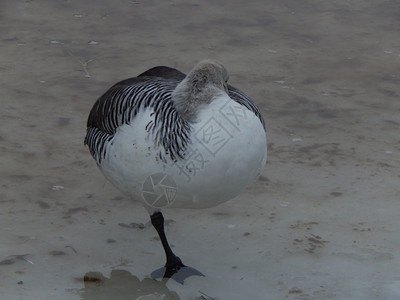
(122, 285)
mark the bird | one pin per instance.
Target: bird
(174, 140)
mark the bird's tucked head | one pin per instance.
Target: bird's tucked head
(204, 82)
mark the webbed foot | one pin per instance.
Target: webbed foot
(177, 273)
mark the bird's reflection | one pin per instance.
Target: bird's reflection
(122, 285)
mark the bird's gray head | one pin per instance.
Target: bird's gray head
(204, 82)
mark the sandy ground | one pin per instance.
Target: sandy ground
(321, 223)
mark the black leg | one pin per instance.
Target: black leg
(173, 261)
(174, 268)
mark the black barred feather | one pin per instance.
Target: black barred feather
(242, 99)
(153, 88)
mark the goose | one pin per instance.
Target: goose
(171, 140)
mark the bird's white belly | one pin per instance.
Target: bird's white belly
(227, 152)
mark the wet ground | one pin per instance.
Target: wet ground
(321, 223)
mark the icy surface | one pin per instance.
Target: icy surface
(321, 223)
